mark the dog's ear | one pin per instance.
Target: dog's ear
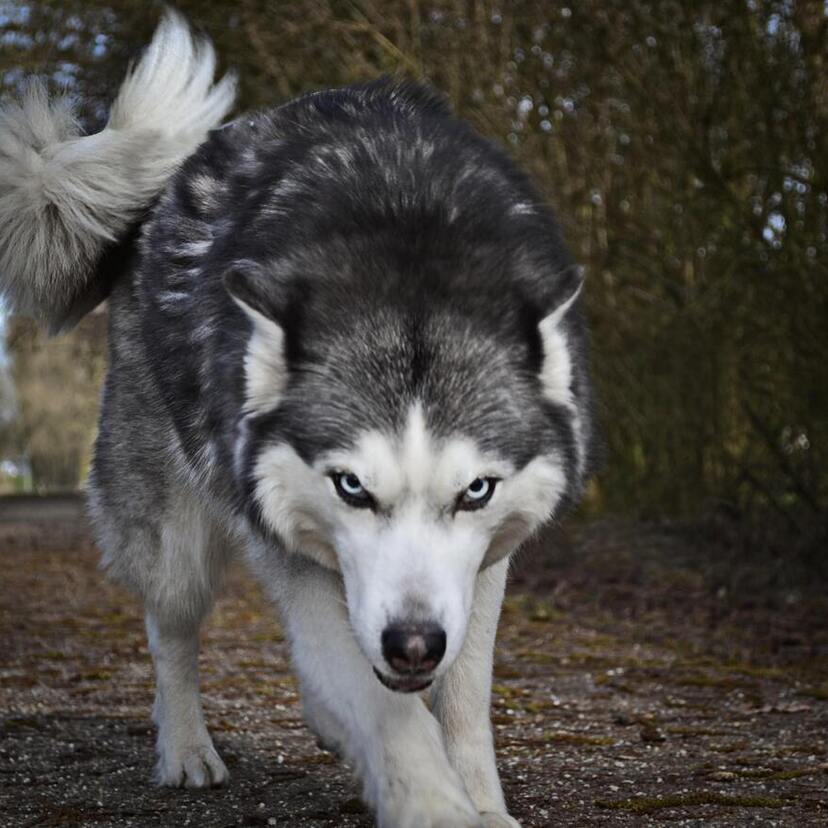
(265, 363)
(556, 363)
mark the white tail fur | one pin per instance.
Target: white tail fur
(64, 196)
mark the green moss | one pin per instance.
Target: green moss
(705, 711)
(504, 671)
(14, 723)
(254, 664)
(615, 684)
(679, 730)
(19, 681)
(568, 738)
(730, 747)
(537, 657)
(96, 675)
(725, 682)
(820, 692)
(513, 606)
(791, 774)
(274, 690)
(55, 655)
(536, 706)
(543, 613)
(222, 726)
(810, 748)
(116, 619)
(508, 692)
(766, 773)
(268, 636)
(599, 641)
(756, 672)
(313, 759)
(652, 804)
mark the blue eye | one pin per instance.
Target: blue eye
(478, 494)
(478, 489)
(349, 487)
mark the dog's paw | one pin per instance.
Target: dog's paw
(194, 766)
(493, 820)
(443, 809)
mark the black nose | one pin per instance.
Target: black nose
(413, 648)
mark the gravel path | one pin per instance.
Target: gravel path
(630, 689)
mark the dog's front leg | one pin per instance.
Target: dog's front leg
(186, 755)
(462, 701)
(392, 740)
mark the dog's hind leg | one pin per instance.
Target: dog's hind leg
(391, 738)
(462, 700)
(158, 540)
(190, 564)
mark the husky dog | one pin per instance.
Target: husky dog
(344, 337)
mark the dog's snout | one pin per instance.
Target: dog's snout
(413, 648)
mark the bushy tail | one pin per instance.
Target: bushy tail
(65, 197)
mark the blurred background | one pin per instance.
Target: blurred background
(684, 148)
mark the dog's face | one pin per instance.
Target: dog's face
(409, 519)
(406, 452)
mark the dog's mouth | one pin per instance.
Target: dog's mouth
(405, 684)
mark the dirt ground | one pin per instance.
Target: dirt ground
(642, 676)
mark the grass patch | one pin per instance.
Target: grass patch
(652, 804)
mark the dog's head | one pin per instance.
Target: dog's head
(407, 438)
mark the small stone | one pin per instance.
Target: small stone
(650, 733)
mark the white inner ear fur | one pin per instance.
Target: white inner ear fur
(264, 363)
(556, 373)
